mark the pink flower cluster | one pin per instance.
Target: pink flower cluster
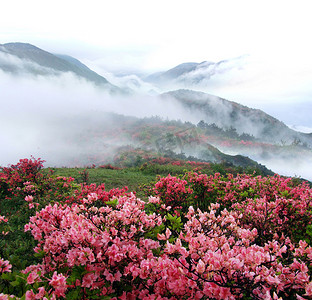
(240, 237)
(213, 257)
(269, 204)
(173, 191)
(109, 243)
(3, 219)
(5, 266)
(22, 174)
(31, 204)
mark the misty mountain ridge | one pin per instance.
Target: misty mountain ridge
(100, 137)
(172, 73)
(226, 114)
(35, 61)
(213, 109)
(226, 127)
(192, 74)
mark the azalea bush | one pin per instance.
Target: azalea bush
(196, 236)
(23, 190)
(120, 251)
(271, 204)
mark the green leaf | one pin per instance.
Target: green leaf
(15, 283)
(7, 276)
(112, 203)
(40, 254)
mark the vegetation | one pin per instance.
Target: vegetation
(112, 133)
(196, 234)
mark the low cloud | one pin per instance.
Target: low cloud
(47, 116)
(296, 167)
(132, 83)
(280, 88)
(20, 67)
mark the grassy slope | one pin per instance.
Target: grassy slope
(134, 177)
(130, 177)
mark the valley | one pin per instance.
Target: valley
(76, 117)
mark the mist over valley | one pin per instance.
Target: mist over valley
(57, 108)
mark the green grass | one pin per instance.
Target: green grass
(130, 177)
(134, 177)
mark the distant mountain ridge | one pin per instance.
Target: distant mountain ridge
(190, 74)
(213, 109)
(48, 62)
(227, 114)
(172, 73)
(225, 131)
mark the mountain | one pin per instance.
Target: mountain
(21, 58)
(219, 130)
(103, 136)
(228, 114)
(188, 75)
(173, 73)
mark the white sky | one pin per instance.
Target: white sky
(152, 35)
(160, 34)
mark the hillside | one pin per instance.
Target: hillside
(76, 125)
(227, 114)
(22, 58)
(172, 74)
(192, 74)
(106, 137)
(68, 237)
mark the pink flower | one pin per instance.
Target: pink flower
(3, 219)
(30, 295)
(152, 199)
(41, 293)
(200, 268)
(168, 233)
(32, 277)
(29, 198)
(58, 282)
(88, 280)
(165, 236)
(308, 289)
(5, 266)
(118, 275)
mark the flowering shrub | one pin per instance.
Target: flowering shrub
(23, 190)
(102, 195)
(196, 237)
(173, 191)
(269, 204)
(21, 175)
(106, 251)
(109, 166)
(106, 244)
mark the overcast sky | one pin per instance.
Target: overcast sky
(162, 33)
(150, 35)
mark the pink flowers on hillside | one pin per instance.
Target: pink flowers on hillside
(214, 256)
(195, 237)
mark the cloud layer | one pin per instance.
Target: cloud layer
(45, 115)
(280, 88)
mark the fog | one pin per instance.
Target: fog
(296, 167)
(287, 162)
(47, 116)
(281, 88)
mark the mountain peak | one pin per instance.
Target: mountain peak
(19, 49)
(24, 46)
(52, 63)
